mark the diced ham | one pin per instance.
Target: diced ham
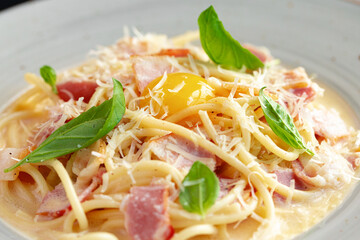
(181, 152)
(8, 158)
(326, 123)
(76, 89)
(148, 68)
(260, 53)
(146, 214)
(175, 52)
(55, 203)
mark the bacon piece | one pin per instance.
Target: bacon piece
(125, 78)
(7, 159)
(298, 83)
(296, 78)
(146, 214)
(95, 183)
(308, 93)
(175, 52)
(285, 176)
(327, 123)
(75, 90)
(181, 152)
(148, 68)
(260, 53)
(307, 178)
(55, 203)
(130, 47)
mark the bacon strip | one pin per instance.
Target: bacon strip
(258, 52)
(181, 152)
(130, 47)
(148, 68)
(146, 216)
(55, 203)
(285, 176)
(296, 78)
(300, 173)
(174, 52)
(75, 90)
(308, 93)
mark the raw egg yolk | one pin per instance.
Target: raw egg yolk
(174, 92)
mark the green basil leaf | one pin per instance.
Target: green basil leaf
(200, 189)
(220, 46)
(49, 76)
(82, 131)
(281, 122)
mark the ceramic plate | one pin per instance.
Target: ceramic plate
(322, 36)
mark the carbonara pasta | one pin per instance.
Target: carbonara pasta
(180, 108)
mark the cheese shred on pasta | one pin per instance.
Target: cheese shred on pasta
(180, 108)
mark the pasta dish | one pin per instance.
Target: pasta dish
(158, 138)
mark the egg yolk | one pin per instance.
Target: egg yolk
(170, 94)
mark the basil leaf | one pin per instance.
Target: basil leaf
(200, 189)
(82, 131)
(220, 46)
(49, 76)
(281, 122)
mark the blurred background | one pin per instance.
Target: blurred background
(9, 3)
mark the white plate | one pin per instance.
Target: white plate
(322, 36)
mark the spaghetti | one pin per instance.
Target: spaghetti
(180, 108)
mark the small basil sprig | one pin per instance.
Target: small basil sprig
(200, 189)
(281, 122)
(49, 76)
(82, 131)
(220, 46)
